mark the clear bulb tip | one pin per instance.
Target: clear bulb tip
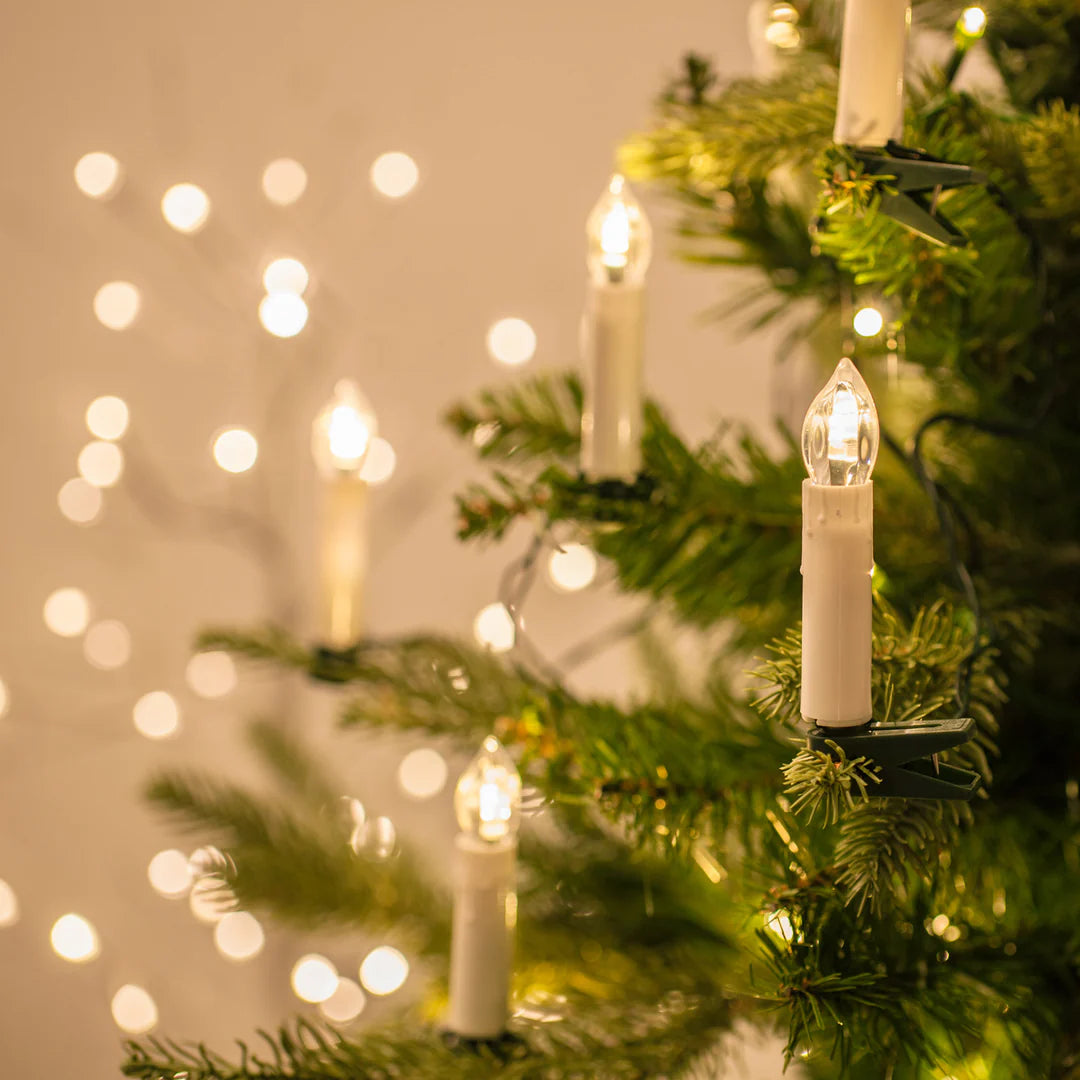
(840, 434)
(487, 800)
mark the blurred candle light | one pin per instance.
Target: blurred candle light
(5, 699)
(185, 207)
(107, 645)
(116, 304)
(170, 874)
(383, 971)
(379, 464)
(79, 501)
(98, 174)
(572, 567)
(9, 905)
(239, 936)
(67, 611)
(107, 417)
(345, 1004)
(101, 463)
(511, 341)
(134, 1010)
(284, 181)
(394, 174)
(283, 314)
(211, 674)
(236, 450)
(285, 275)
(314, 978)
(156, 715)
(494, 628)
(74, 939)
(422, 773)
(868, 322)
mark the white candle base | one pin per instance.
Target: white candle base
(837, 559)
(482, 947)
(343, 560)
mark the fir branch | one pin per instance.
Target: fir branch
(818, 781)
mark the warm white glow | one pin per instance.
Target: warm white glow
(97, 174)
(782, 35)
(239, 936)
(780, 924)
(107, 417)
(380, 463)
(116, 304)
(134, 1010)
(494, 628)
(209, 900)
(101, 463)
(422, 773)
(170, 873)
(284, 181)
(5, 700)
(868, 322)
(185, 207)
(973, 21)
(487, 800)
(314, 978)
(283, 314)
(74, 939)
(939, 924)
(394, 174)
(615, 235)
(384, 970)
(342, 433)
(9, 905)
(345, 1004)
(107, 645)
(236, 450)
(840, 434)
(211, 674)
(79, 501)
(67, 611)
(285, 275)
(511, 341)
(156, 715)
(619, 236)
(572, 567)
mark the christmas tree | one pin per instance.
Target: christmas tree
(695, 862)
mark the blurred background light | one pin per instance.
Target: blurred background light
(283, 314)
(422, 773)
(285, 275)
(156, 715)
(107, 417)
(79, 501)
(511, 341)
(236, 450)
(101, 463)
(314, 978)
(384, 970)
(394, 174)
(67, 611)
(116, 304)
(211, 674)
(134, 1010)
(74, 939)
(284, 181)
(239, 936)
(185, 207)
(107, 645)
(572, 567)
(98, 174)
(494, 628)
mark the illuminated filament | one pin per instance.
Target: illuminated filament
(840, 434)
(488, 795)
(619, 236)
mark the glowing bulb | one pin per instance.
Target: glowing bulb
(185, 207)
(116, 304)
(285, 275)
(9, 905)
(134, 1010)
(5, 700)
(211, 674)
(97, 174)
(868, 322)
(383, 970)
(74, 939)
(394, 175)
(284, 181)
(170, 873)
(572, 567)
(283, 314)
(487, 799)
(379, 464)
(782, 35)
(494, 628)
(107, 417)
(511, 341)
(107, 645)
(840, 433)
(101, 463)
(156, 715)
(67, 611)
(780, 924)
(619, 235)
(79, 501)
(314, 978)
(239, 936)
(345, 1004)
(342, 433)
(422, 773)
(236, 450)
(973, 21)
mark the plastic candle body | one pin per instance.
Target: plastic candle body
(487, 802)
(840, 443)
(340, 438)
(870, 103)
(613, 335)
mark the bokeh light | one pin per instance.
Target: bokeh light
(314, 978)
(868, 322)
(236, 450)
(494, 628)
(97, 174)
(185, 207)
(67, 611)
(210, 900)
(156, 715)
(973, 21)
(345, 1004)
(134, 1010)
(107, 417)
(107, 645)
(511, 341)
(116, 304)
(422, 773)
(380, 462)
(5, 699)
(9, 905)
(170, 874)
(211, 674)
(285, 275)
(101, 463)
(239, 936)
(394, 174)
(572, 567)
(384, 970)
(79, 501)
(283, 314)
(74, 939)
(284, 181)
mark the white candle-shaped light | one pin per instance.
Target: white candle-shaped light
(870, 103)
(613, 335)
(840, 444)
(340, 438)
(488, 806)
